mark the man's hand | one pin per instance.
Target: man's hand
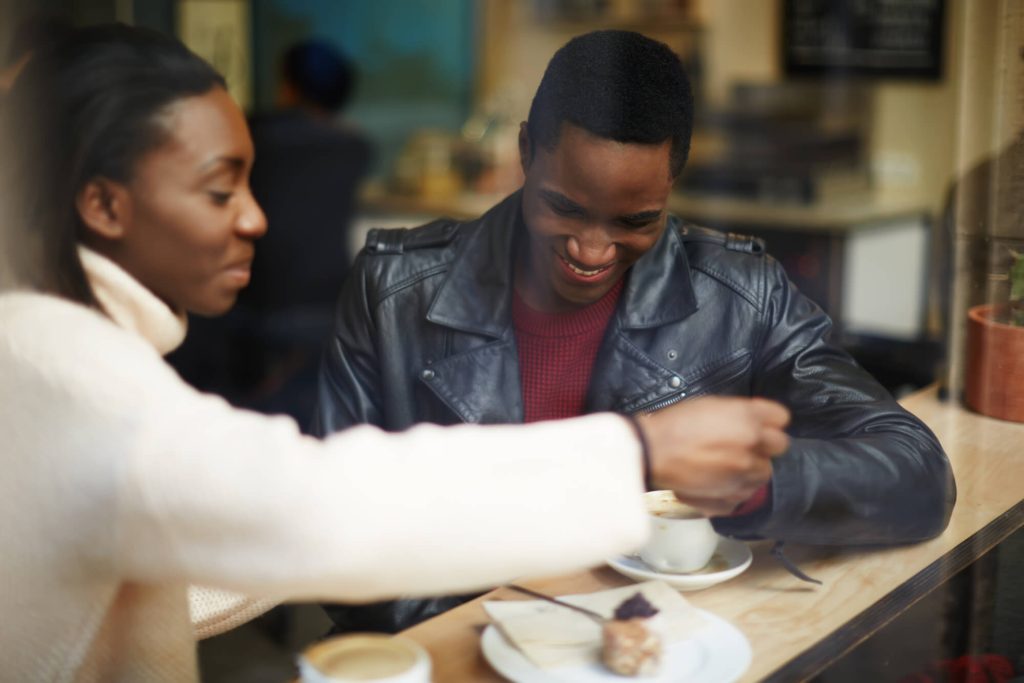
(715, 452)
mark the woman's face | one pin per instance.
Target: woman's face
(188, 221)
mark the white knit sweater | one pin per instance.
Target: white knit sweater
(121, 485)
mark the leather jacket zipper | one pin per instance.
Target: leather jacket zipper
(722, 375)
(660, 403)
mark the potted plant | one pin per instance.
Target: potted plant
(994, 380)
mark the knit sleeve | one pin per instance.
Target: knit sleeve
(218, 496)
(214, 611)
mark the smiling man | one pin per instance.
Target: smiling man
(580, 294)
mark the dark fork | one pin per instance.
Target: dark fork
(582, 610)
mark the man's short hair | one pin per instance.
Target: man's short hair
(321, 74)
(617, 85)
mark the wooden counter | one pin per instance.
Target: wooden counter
(841, 215)
(796, 629)
(812, 241)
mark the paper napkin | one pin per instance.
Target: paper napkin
(552, 636)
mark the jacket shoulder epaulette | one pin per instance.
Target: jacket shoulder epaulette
(400, 240)
(732, 241)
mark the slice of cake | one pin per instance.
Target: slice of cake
(631, 643)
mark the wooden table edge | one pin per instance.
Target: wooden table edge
(826, 651)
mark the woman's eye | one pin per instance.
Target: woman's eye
(220, 198)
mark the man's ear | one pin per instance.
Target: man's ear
(104, 206)
(525, 147)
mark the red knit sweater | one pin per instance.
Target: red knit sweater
(556, 354)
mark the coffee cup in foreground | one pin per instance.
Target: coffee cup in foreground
(365, 657)
(682, 538)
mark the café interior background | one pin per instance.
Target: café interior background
(849, 174)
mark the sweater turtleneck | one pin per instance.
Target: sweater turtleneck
(131, 305)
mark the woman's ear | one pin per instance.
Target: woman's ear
(525, 147)
(105, 207)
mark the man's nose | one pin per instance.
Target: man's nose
(593, 247)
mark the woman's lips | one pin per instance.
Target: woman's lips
(584, 275)
(240, 274)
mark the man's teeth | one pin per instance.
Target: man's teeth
(580, 271)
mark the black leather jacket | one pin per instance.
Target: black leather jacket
(424, 333)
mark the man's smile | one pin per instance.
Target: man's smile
(588, 273)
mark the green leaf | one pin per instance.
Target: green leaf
(1017, 277)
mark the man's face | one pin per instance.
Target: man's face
(592, 208)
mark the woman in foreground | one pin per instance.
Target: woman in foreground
(122, 485)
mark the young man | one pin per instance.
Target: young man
(579, 293)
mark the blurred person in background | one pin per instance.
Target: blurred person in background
(129, 202)
(308, 170)
(580, 293)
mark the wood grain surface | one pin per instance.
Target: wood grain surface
(796, 629)
(846, 215)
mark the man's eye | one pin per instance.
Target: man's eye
(637, 225)
(561, 210)
(220, 198)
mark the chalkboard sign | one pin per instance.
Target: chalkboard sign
(883, 38)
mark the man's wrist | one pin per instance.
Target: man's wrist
(760, 499)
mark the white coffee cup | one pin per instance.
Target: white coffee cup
(361, 657)
(682, 538)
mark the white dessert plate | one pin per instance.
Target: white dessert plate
(717, 653)
(731, 558)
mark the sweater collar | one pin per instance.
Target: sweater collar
(592, 318)
(130, 305)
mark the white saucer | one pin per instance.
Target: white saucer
(731, 558)
(717, 653)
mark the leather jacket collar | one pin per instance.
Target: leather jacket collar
(477, 295)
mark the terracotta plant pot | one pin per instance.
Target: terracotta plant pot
(994, 374)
